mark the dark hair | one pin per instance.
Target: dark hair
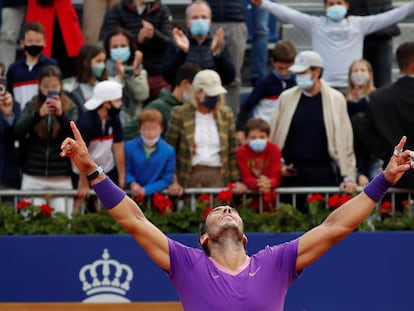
(283, 51)
(83, 69)
(257, 124)
(131, 42)
(32, 26)
(201, 232)
(405, 55)
(50, 71)
(187, 71)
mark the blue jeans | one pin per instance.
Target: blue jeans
(262, 29)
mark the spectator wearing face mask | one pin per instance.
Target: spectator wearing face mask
(360, 85)
(312, 128)
(203, 135)
(102, 131)
(198, 46)
(150, 23)
(259, 162)
(337, 37)
(124, 64)
(150, 161)
(90, 69)
(23, 75)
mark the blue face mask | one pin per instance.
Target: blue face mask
(258, 144)
(98, 69)
(122, 53)
(304, 81)
(210, 101)
(336, 12)
(199, 27)
(280, 77)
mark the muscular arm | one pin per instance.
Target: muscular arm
(127, 213)
(346, 218)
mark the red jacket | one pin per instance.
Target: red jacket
(68, 22)
(252, 165)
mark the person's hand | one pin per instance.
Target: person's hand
(146, 32)
(181, 40)
(400, 162)
(52, 105)
(362, 180)
(83, 188)
(256, 2)
(120, 68)
(138, 56)
(264, 184)
(239, 188)
(348, 187)
(6, 104)
(288, 170)
(175, 189)
(77, 151)
(217, 41)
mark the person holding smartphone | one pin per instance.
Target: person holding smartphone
(42, 125)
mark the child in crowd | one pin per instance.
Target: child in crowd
(150, 161)
(41, 127)
(264, 97)
(23, 75)
(259, 162)
(360, 86)
(90, 69)
(124, 64)
(102, 131)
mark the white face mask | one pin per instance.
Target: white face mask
(150, 142)
(304, 81)
(360, 78)
(186, 97)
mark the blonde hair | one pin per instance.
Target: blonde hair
(369, 87)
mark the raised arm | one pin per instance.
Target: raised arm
(121, 207)
(346, 218)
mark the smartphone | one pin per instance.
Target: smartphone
(292, 170)
(3, 85)
(52, 93)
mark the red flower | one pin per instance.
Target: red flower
(206, 212)
(336, 200)
(225, 195)
(269, 196)
(204, 198)
(21, 204)
(45, 210)
(386, 208)
(139, 198)
(162, 203)
(314, 198)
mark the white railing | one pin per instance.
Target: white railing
(14, 196)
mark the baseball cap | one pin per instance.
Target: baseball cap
(209, 81)
(104, 91)
(306, 59)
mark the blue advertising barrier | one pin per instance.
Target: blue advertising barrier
(366, 271)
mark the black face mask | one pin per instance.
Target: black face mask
(113, 111)
(33, 50)
(210, 101)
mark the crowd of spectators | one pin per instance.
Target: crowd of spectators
(158, 103)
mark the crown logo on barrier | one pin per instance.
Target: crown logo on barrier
(105, 279)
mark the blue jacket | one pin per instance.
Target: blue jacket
(228, 10)
(10, 175)
(154, 173)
